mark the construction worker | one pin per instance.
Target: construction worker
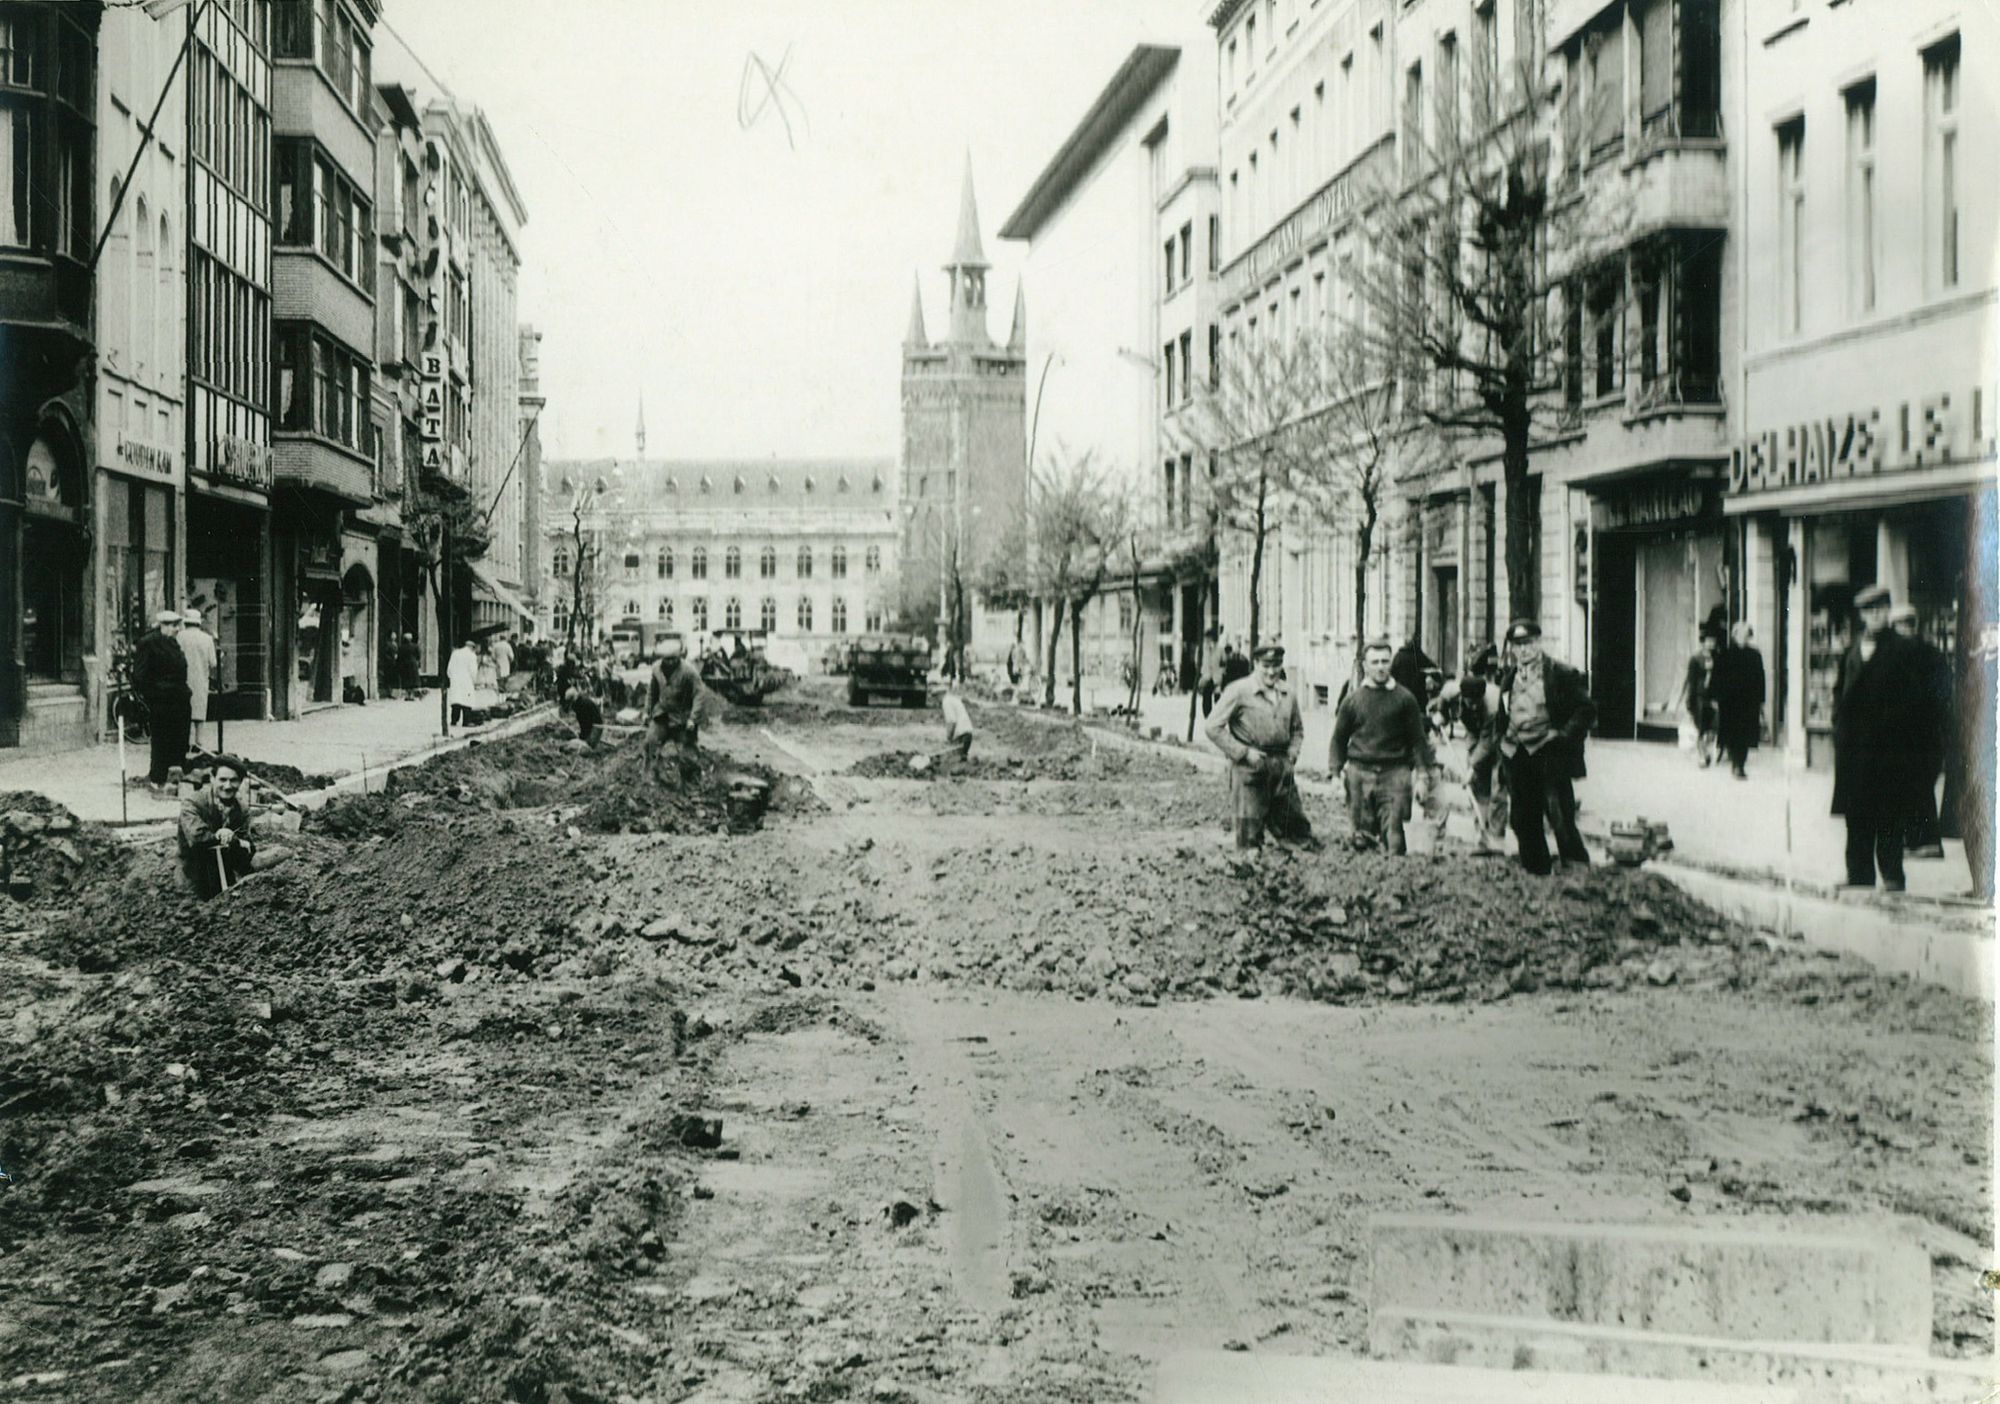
(217, 850)
(1256, 723)
(958, 728)
(672, 696)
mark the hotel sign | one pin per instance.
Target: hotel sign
(1332, 205)
(1952, 426)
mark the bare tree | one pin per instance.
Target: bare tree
(1242, 420)
(1460, 235)
(1069, 533)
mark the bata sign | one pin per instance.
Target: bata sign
(1954, 426)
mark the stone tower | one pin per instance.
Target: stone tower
(963, 463)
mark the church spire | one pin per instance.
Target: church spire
(968, 273)
(1017, 336)
(639, 434)
(967, 253)
(914, 336)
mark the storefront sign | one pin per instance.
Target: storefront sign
(238, 460)
(1334, 203)
(430, 379)
(136, 456)
(1954, 426)
(1651, 504)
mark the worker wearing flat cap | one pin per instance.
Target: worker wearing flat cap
(217, 849)
(1544, 716)
(1886, 724)
(673, 694)
(160, 677)
(1256, 723)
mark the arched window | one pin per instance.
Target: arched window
(706, 485)
(168, 312)
(732, 613)
(663, 564)
(560, 623)
(698, 563)
(872, 562)
(840, 563)
(739, 485)
(839, 615)
(666, 611)
(631, 565)
(732, 564)
(805, 614)
(874, 624)
(698, 613)
(805, 562)
(631, 609)
(809, 482)
(842, 485)
(559, 563)
(767, 615)
(767, 563)
(145, 288)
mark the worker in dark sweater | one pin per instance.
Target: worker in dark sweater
(1378, 738)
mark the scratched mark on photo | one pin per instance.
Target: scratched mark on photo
(764, 91)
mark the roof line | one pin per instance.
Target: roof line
(1142, 71)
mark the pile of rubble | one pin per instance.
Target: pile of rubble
(45, 853)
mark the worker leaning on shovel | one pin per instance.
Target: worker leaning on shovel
(217, 850)
(1256, 724)
(673, 697)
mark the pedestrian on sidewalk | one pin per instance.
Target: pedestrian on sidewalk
(672, 697)
(216, 846)
(198, 645)
(1545, 714)
(1881, 744)
(1479, 712)
(407, 662)
(1739, 697)
(1256, 724)
(1931, 672)
(1212, 653)
(1379, 737)
(461, 680)
(1698, 698)
(503, 660)
(1411, 669)
(160, 677)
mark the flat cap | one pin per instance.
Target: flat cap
(191, 615)
(167, 616)
(1523, 629)
(1871, 595)
(1269, 653)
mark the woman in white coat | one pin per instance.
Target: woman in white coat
(461, 676)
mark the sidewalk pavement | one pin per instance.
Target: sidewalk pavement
(1776, 825)
(332, 741)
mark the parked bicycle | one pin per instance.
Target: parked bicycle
(129, 712)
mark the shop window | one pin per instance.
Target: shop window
(767, 615)
(698, 563)
(767, 563)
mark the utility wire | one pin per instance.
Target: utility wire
(146, 138)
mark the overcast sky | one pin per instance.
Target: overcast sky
(753, 282)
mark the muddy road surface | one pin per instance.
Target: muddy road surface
(526, 1082)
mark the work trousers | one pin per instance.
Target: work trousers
(1378, 804)
(170, 726)
(1541, 793)
(1871, 843)
(1489, 799)
(682, 737)
(1266, 800)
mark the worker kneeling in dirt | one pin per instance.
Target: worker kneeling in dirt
(217, 851)
(672, 696)
(589, 716)
(957, 726)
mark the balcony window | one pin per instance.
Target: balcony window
(1601, 311)
(320, 386)
(1678, 287)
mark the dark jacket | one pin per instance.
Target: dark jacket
(160, 672)
(1409, 669)
(1571, 713)
(1885, 731)
(1738, 693)
(201, 817)
(671, 695)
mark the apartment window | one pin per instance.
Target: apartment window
(767, 615)
(698, 563)
(1602, 311)
(1214, 242)
(321, 387)
(1604, 52)
(1187, 366)
(46, 142)
(1214, 355)
(1861, 196)
(1447, 89)
(732, 613)
(837, 564)
(873, 616)
(1167, 266)
(805, 562)
(559, 563)
(319, 208)
(1187, 251)
(632, 569)
(1941, 212)
(1232, 68)
(665, 563)
(1187, 488)
(839, 615)
(1167, 369)
(1413, 117)
(805, 615)
(698, 613)
(291, 30)
(1486, 60)
(732, 564)
(767, 563)
(1167, 497)
(1250, 44)
(1791, 223)
(871, 560)
(664, 611)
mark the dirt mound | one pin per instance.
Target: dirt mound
(1105, 763)
(46, 852)
(622, 797)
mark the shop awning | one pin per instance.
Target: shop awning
(486, 585)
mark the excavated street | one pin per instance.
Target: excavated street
(526, 1083)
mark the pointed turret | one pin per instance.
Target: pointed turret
(639, 434)
(914, 336)
(968, 273)
(1017, 336)
(967, 253)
